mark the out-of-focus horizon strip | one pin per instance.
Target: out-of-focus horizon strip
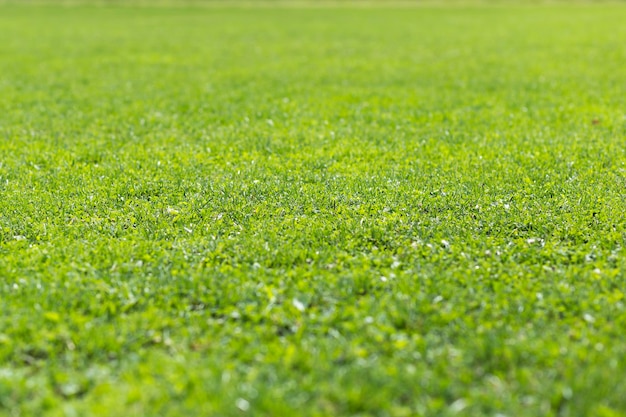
(312, 3)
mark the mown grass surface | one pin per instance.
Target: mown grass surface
(386, 212)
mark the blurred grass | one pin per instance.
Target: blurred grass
(314, 3)
(312, 212)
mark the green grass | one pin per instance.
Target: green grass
(313, 212)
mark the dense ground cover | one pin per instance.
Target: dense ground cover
(312, 211)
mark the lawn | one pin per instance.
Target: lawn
(281, 211)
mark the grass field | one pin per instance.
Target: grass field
(312, 211)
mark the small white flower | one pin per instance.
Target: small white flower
(298, 305)
(242, 404)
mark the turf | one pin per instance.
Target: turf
(312, 211)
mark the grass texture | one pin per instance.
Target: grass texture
(314, 212)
